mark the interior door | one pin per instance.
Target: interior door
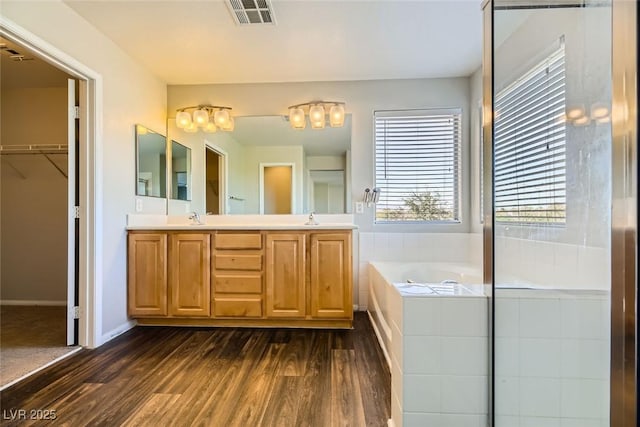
(73, 223)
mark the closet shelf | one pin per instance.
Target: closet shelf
(34, 149)
(40, 149)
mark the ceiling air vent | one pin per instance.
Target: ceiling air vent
(13, 54)
(250, 12)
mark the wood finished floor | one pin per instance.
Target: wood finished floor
(163, 376)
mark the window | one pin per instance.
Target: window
(529, 135)
(417, 165)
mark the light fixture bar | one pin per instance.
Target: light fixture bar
(205, 107)
(207, 117)
(318, 112)
(324, 103)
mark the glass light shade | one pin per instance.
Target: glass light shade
(229, 126)
(582, 121)
(191, 128)
(296, 118)
(210, 127)
(575, 112)
(183, 119)
(599, 111)
(221, 118)
(201, 118)
(336, 115)
(316, 116)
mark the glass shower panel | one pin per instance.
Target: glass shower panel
(552, 204)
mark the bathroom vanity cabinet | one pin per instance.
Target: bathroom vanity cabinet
(241, 277)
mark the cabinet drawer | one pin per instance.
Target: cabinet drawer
(238, 262)
(242, 306)
(238, 241)
(238, 284)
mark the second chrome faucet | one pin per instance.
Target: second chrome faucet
(195, 218)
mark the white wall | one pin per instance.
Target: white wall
(362, 99)
(34, 198)
(130, 94)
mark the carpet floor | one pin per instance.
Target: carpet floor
(30, 337)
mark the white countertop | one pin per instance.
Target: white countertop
(197, 227)
(240, 222)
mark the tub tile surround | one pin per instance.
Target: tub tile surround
(436, 345)
(552, 376)
(439, 350)
(552, 342)
(552, 264)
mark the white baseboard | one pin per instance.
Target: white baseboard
(32, 302)
(117, 331)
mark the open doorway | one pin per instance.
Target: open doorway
(215, 193)
(38, 231)
(276, 188)
(327, 191)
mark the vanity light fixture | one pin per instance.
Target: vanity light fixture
(579, 116)
(207, 117)
(317, 111)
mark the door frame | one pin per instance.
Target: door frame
(293, 184)
(223, 168)
(89, 174)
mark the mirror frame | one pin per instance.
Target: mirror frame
(170, 177)
(137, 135)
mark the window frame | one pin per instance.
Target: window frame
(459, 161)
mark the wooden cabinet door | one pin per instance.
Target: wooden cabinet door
(189, 278)
(285, 279)
(147, 274)
(331, 280)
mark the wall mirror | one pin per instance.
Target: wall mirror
(228, 168)
(151, 163)
(180, 171)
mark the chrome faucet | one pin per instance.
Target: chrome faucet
(312, 219)
(195, 217)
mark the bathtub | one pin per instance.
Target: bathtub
(432, 323)
(385, 276)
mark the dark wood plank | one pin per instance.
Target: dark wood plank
(153, 411)
(346, 401)
(373, 374)
(282, 409)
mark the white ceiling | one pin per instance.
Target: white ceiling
(196, 42)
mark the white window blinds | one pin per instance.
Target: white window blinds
(529, 135)
(417, 165)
